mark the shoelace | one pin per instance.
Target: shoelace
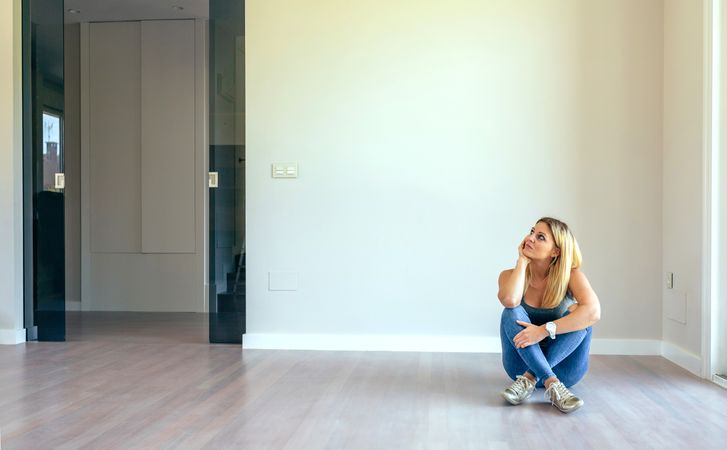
(520, 386)
(561, 392)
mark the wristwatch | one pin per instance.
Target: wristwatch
(550, 328)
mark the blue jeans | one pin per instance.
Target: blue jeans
(565, 357)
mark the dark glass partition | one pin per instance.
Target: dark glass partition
(43, 166)
(227, 249)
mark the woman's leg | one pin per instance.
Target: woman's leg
(511, 361)
(558, 349)
(571, 368)
(519, 360)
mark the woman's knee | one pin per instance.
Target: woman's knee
(508, 321)
(512, 314)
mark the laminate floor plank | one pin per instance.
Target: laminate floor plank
(151, 380)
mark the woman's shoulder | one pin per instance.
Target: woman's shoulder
(504, 276)
(579, 285)
(577, 277)
(505, 273)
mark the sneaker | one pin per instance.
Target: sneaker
(519, 391)
(562, 398)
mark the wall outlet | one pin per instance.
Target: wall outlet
(675, 306)
(670, 280)
(282, 281)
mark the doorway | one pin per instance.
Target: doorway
(126, 121)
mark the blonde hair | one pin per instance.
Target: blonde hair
(558, 274)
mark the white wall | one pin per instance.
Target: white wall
(430, 136)
(683, 180)
(11, 199)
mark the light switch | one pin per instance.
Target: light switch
(669, 280)
(213, 179)
(60, 181)
(285, 170)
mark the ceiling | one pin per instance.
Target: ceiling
(119, 10)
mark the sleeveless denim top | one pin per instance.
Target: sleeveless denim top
(540, 316)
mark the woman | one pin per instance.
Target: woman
(549, 309)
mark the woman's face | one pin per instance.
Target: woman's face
(539, 244)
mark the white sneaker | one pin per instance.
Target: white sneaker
(519, 391)
(562, 398)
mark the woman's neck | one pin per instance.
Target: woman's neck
(538, 271)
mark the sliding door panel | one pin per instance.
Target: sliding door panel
(43, 165)
(227, 249)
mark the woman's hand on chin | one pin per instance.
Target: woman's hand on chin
(520, 256)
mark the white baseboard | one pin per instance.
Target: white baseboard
(12, 337)
(358, 342)
(73, 305)
(635, 347)
(453, 344)
(450, 344)
(681, 357)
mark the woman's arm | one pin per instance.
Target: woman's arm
(512, 283)
(583, 315)
(588, 310)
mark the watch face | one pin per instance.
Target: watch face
(550, 327)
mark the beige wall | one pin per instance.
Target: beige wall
(429, 137)
(11, 237)
(683, 177)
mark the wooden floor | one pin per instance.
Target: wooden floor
(152, 381)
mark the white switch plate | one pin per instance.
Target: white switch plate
(284, 170)
(669, 280)
(60, 181)
(214, 179)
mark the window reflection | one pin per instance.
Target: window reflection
(52, 152)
